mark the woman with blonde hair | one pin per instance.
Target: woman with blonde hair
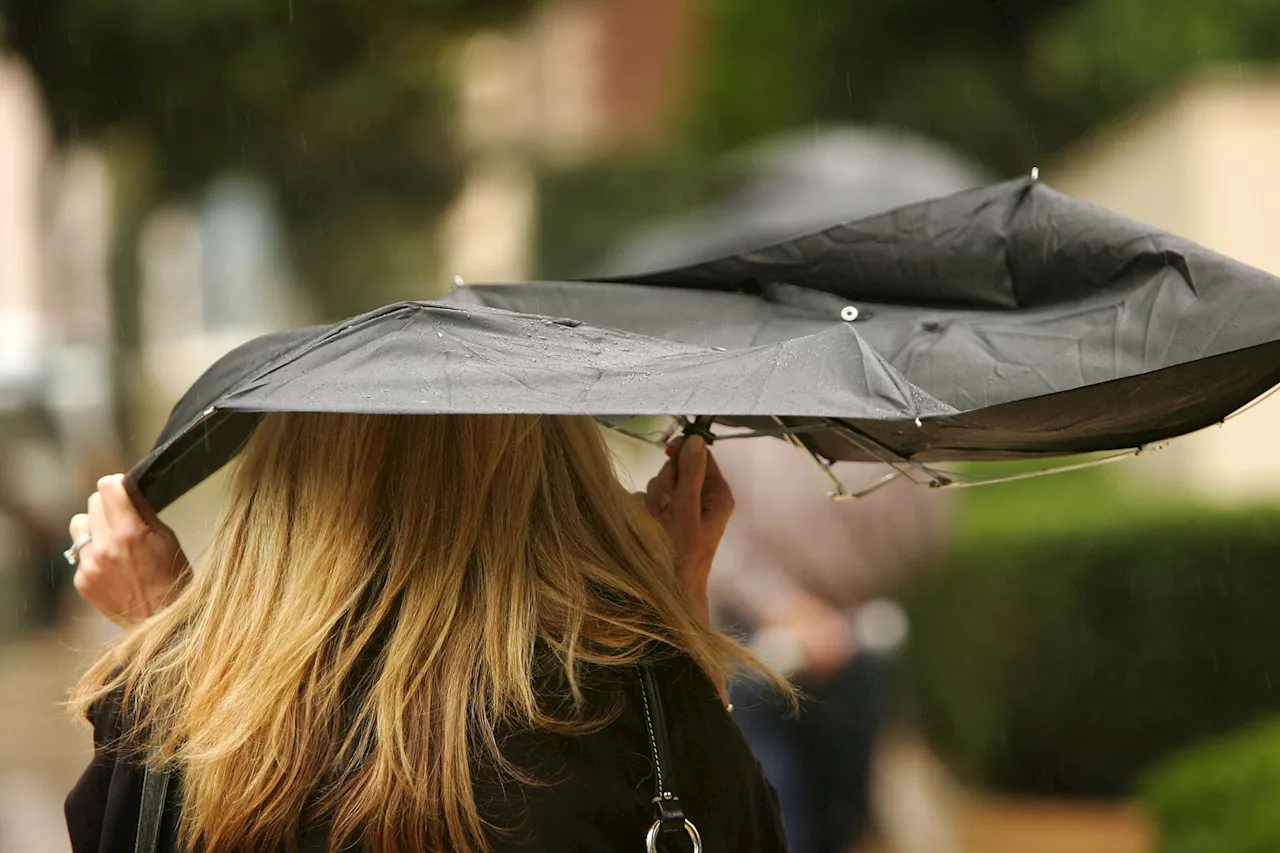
(420, 633)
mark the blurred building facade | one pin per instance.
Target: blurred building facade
(579, 78)
(56, 390)
(1202, 162)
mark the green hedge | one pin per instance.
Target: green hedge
(1220, 796)
(1076, 634)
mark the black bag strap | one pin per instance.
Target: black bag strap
(668, 814)
(155, 790)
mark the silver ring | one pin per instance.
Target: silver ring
(651, 840)
(72, 554)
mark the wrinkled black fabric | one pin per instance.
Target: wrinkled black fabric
(1003, 322)
(598, 796)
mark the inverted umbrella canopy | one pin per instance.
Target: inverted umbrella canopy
(1003, 322)
(1051, 326)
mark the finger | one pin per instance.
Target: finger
(661, 487)
(78, 526)
(649, 498)
(673, 447)
(118, 507)
(99, 528)
(665, 479)
(692, 474)
(713, 468)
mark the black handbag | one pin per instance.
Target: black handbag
(668, 814)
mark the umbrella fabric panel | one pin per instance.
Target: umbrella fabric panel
(428, 358)
(1017, 244)
(230, 370)
(968, 359)
(191, 456)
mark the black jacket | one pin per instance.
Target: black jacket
(599, 800)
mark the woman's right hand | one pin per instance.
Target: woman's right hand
(691, 499)
(133, 566)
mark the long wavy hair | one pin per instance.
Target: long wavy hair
(368, 617)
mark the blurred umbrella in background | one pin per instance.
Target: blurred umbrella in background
(796, 184)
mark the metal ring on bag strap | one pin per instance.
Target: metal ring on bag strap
(666, 805)
(651, 839)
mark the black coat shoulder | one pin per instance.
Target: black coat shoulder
(594, 793)
(102, 809)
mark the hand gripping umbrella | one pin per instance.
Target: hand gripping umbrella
(1005, 322)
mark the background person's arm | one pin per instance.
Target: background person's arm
(794, 560)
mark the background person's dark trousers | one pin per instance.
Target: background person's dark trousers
(820, 762)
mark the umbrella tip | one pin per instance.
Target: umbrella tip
(849, 313)
(1035, 173)
(458, 281)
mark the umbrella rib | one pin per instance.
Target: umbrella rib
(781, 432)
(886, 455)
(978, 480)
(875, 486)
(1254, 402)
(840, 492)
(654, 442)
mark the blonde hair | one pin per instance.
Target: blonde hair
(366, 619)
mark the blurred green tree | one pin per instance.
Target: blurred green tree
(341, 105)
(1008, 82)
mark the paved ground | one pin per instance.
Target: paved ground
(42, 750)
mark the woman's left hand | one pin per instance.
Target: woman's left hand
(131, 564)
(691, 499)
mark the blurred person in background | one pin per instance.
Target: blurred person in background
(795, 567)
(38, 557)
(793, 574)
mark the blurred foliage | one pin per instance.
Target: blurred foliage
(1007, 82)
(342, 104)
(1079, 632)
(582, 212)
(1219, 796)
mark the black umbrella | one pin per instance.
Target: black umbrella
(1004, 322)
